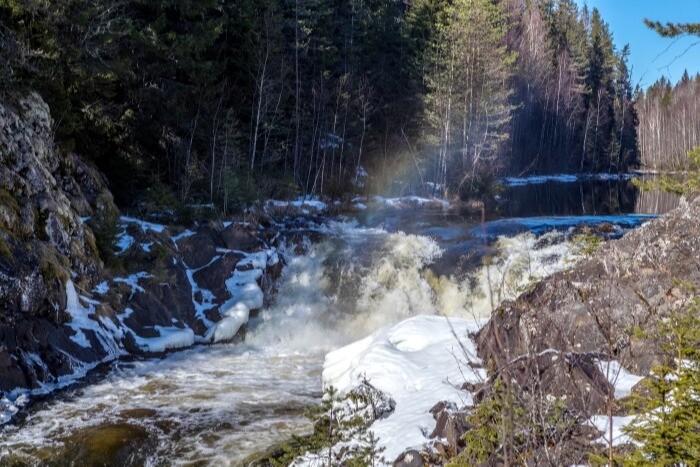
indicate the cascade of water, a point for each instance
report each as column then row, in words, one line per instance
column 220, row 404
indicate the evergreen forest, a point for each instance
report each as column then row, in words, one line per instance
column 221, row 103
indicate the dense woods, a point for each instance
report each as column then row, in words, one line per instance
column 222, row 103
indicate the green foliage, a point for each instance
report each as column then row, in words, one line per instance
column 586, row 242
column 104, row 225
column 494, row 420
column 338, row 419
column 667, row 424
column 689, row 183
column 673, row 29
column 509, row 424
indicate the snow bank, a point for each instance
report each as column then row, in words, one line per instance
column 417, row 362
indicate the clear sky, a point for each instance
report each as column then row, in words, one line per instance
column 651, row 55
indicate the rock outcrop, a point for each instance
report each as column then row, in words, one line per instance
column 595, row 307
column 62, row 312
column 44, row 193
column 549, row 342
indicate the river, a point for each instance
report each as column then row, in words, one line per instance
column 225, row 404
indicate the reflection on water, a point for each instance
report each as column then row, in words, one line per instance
column 655, row 202
column 583, row 197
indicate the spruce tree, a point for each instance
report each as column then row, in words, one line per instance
column 667, row 427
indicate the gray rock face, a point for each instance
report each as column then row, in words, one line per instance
column 593, row 308
column 54, row 318
column 43, row 242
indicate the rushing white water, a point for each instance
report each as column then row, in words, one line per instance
column 220, row 404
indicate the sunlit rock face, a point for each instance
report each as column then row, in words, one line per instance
column 630, row 282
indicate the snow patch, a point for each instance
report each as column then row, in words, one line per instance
column 417, row 363
column 145, row 226
column 301, row 203
column 602, row 423
column 622, row 380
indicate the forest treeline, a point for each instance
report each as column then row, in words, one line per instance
column 669, row 123
column 224, row 102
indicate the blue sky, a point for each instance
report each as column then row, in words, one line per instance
column 649, row 56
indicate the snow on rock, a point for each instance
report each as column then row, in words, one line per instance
column 622, row 380
column 301, row 203
column 82, row 319
column 246, row 295
column 145, row 226
column 124, row 242
column 185, row 234
column 133, row 281
column 411, row 201
column 417, row 363
column 170, row 338
column 102, row 288
column 602, row 423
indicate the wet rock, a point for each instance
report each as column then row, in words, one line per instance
column 199, row 249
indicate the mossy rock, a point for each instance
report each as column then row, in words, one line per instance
column 52, row 271
column 5, row 250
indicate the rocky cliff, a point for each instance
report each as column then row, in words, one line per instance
column 61, row 311
column 595, row 307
